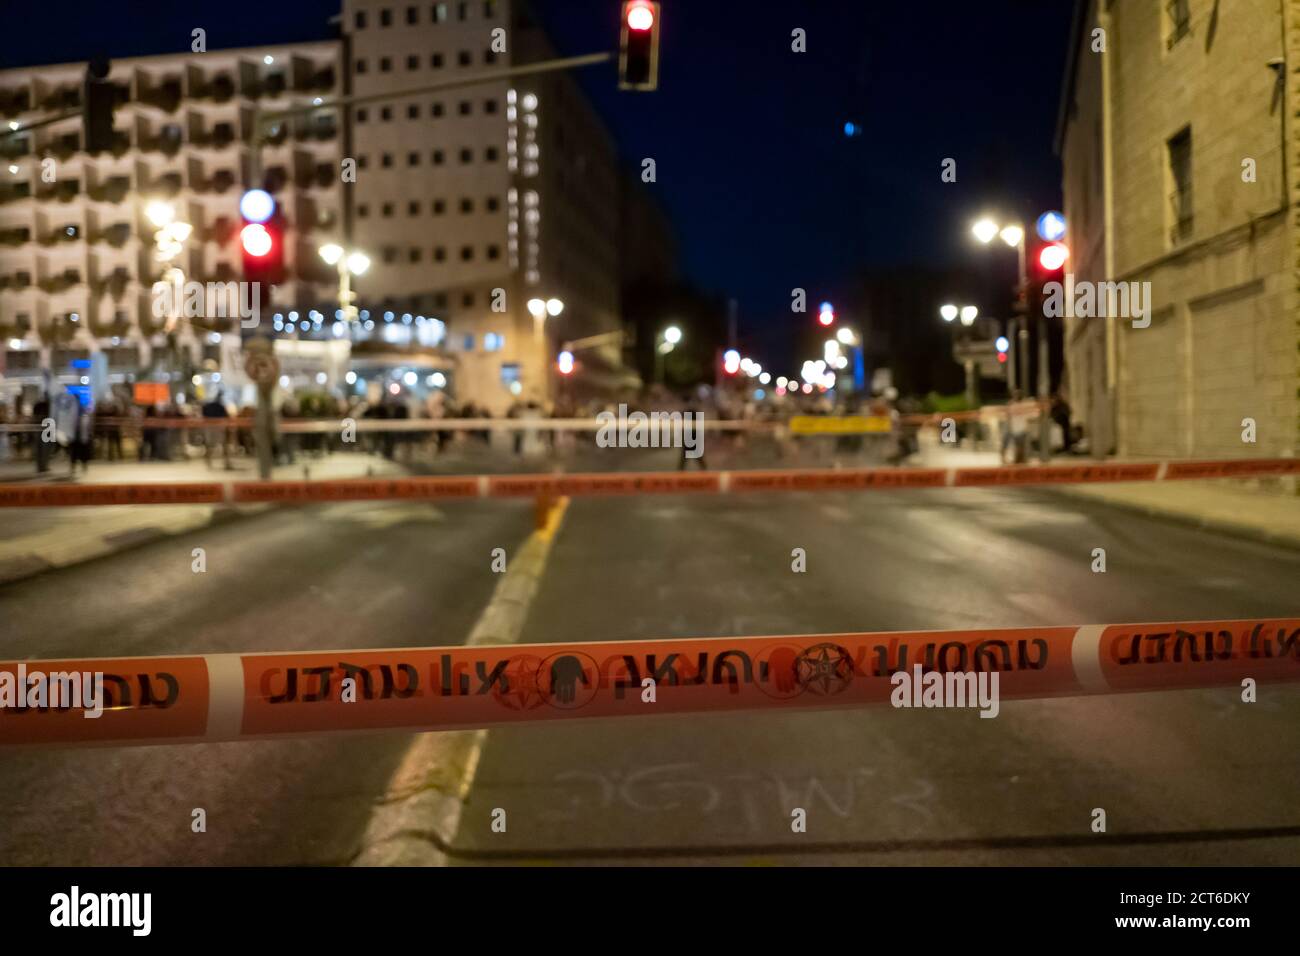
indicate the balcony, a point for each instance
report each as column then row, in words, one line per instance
column 12, row 192
column 14, row 102
column 64, row 98
column 12, row 147
column 166, row 96
column 64, row 190
column 18, row 236
column 115, row 235
column 167, row 141
column 112, row 190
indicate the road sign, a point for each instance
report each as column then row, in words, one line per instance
column 261, row 365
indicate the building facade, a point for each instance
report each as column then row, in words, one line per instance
column 471, row 202
column 1180, row 169
column 474, row 201
column 77, row 250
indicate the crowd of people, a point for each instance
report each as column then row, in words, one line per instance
column 60, row 427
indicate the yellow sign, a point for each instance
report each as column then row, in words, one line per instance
column 848, row 425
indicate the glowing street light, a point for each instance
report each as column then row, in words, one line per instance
column 984, row 230
column 537, row 308
column 949, row 312
column 968, row 314
column 554, row 307
column 348, row 265
column 672, row 335
column 1012, row 235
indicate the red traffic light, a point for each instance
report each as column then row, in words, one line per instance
column 1002, row 357
column 1053, row 256
column 640, row 16
column 256, row 239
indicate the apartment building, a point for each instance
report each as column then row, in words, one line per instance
column 1179, row 150
column 77, row 250
column 475, row 201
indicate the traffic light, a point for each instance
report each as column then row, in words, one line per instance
column 1003, row 345
column 1052, row 256
column 564, row 363
column 97, row 101
column 826, row 315
column 638, row 62
column 262, row 239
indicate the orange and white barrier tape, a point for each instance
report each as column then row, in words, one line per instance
column 632, row 483
column 256, row 696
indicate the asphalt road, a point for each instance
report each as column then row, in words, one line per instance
column 1185, row 777
column 1188, row 777
column 386, row 574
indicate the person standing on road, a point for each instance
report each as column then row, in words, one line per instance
column 214, row 408
column 41, row 412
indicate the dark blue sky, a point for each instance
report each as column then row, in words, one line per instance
column 764, row 189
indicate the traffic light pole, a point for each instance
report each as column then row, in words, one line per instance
column 477, row 79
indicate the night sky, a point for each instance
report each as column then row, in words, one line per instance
column 765, row 190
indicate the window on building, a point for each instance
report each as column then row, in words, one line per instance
column 465, row 58
column 509, row 373
column 440, row 300
column 439, row 254
column 1180, row 177
column 414, row 254
column 467, row 300
column 435, row 61
column 489, row 56
column 438, row 157
column 387, row 210
column 363, row 211
column 361, row 66
column 412, row 16
column 390, row 254
column 386, row 113
column 386, row 161
column 436, row 109
column 413, row 62
column 362, row 160
column 439, row 13
column 466, row 206
column 468, row 343
column 466, row 107
column 462, row 11
column 493, row 203
column 385, row 64
column 490, row 154
column 413, row 207
column 494, row 252
column 360, row 20
column 489, row 9
column 363, row 115
column 385, row 18
column 1178, row 21
column 489, row 106
column 413, row 159
column 413, row 111
column 466, row 253
column 492, row 342
column 439, row 207
column 466, row 156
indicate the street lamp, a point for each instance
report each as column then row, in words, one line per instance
column 668, row 340
column 348, row 264
column 948, row 312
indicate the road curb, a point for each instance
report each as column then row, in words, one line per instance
column 415, row 822
column 1173, row 516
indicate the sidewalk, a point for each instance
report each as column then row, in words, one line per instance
column 1228, row 505
column 33, row 540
